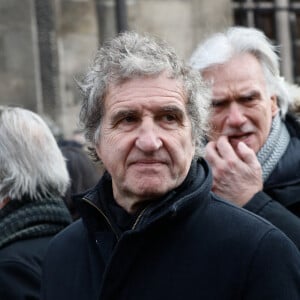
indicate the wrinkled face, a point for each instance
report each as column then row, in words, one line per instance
column 145, row 141
column 242, row 106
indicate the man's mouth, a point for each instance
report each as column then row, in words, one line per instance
column 147, row 161
column 235, row 139
column 240, row 137
column 145, row 164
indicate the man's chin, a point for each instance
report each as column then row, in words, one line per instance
column 150, row 187
column 150, row 190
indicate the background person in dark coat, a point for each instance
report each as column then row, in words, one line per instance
column 84, row 174
column 252, row 104
column 33, row 179
column 151, row 228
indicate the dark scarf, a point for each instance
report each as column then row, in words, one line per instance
column 27, row 219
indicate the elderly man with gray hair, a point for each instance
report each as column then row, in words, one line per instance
column 254, row 140
column 151, row 228
column 33, row 180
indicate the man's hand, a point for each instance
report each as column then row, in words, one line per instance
column 237, row 173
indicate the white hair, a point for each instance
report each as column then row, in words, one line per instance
column 30, row 159
column 221, row 47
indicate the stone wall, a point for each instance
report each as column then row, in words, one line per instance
column 19, row 65
column 79, row 26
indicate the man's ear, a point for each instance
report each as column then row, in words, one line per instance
column 97, row 150
column 274, row 105
column 4, row 202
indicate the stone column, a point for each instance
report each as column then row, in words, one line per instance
column 19, row 64
column 48, row 57
column 284, row 38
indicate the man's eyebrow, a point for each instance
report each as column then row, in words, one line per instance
column 249, row 94
column 172, row 109
column 252, row 93
column 123, row 113
column 218, row 100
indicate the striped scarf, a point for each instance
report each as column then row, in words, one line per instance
column 274, row 147
column 27, row 219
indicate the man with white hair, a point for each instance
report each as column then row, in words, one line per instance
column 254, row 143
column 33, row 179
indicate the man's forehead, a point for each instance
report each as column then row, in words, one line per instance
column 145, row 89
column 245, row 62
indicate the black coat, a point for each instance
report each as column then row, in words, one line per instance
column 26, row 227
column 20, row 268
column 189, row 245
column 279, row 202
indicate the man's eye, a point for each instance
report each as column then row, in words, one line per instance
column 218, row 104
column 125, row 120
column 129, row 119
column 169, row 118
column 248, row 99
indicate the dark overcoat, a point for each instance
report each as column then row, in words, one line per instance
column 188, row 245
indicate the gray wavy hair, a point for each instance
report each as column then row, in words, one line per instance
column 129, row 56
column 221, row 47
column 31, row 162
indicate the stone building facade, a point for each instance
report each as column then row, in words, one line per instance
column 46, row 44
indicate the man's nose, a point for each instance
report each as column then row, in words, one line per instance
column 148, row 139
column 235, row 116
